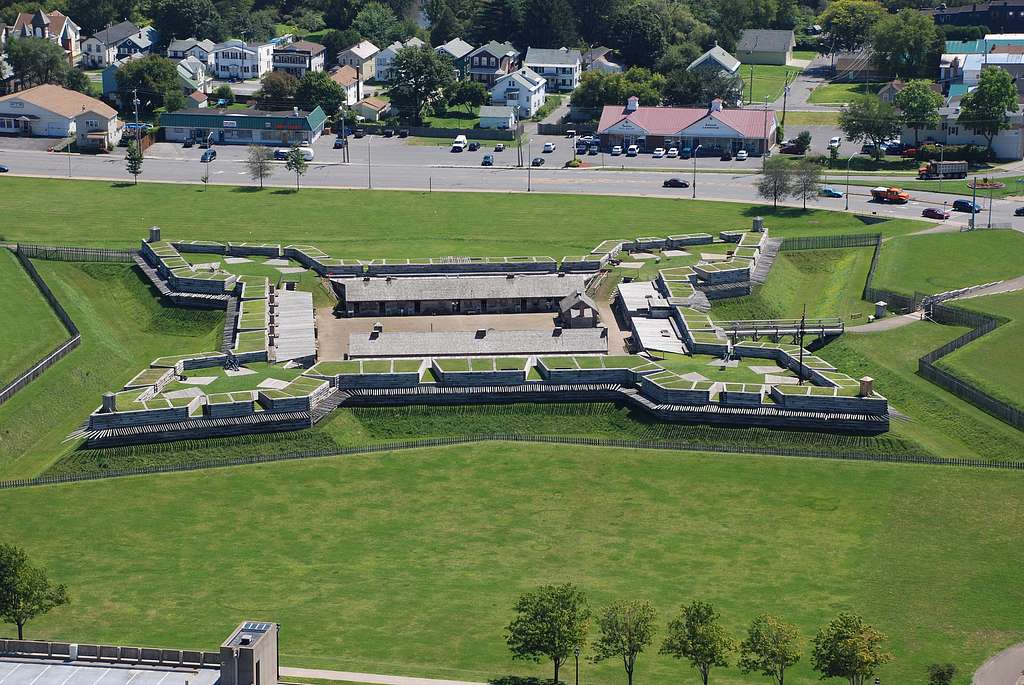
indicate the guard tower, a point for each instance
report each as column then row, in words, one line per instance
column 249, row 655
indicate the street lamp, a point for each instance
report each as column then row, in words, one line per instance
column 529, row 166
column 942, row 151
column 576, row 653
column 847, row 196
column 694, row 184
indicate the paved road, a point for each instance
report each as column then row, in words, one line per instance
column 1002, row 669
column 367, row 677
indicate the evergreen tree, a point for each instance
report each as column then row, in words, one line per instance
column 548, row 24
column 496, row 20
column 443, row 25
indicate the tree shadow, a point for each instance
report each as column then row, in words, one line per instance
column 246, row 189
column 519, row 680
column 780, row 212
column 122, row 184
column 284, row 191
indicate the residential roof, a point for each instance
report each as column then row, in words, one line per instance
column 576, row 298
column 727, row 61
column 302, row 46
column 456, row 47
column 67, row 103
column 553, row 56
column 670, row 120
column 596, row 53
column 183, row 44
column 243, row 118
column 497, row 49
column 524, row 76
column 197, row 96
column 495, row 111
column 55, row 20
column 345, row 75
column 765, row 40
column 492, row 342
column 897, row 85
column 112, row 35
column 398, row 289
column 363, row 49
column 373, row 103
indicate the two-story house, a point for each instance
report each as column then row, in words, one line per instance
column 361, row 58
column 490, row 62
column 458, row 51
column 561, row 68
column 53, row 26
column 202, row 50
column 235, row 59
column 523, row 90
column 384, row 58
column 117, row 42
column 299, row 57
column 348, row 79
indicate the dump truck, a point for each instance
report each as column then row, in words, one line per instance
column 942, row 170
column 893, row 195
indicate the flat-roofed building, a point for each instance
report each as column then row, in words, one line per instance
column 249, row 655
column 483, row 342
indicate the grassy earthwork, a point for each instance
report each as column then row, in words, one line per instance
column 30, row 329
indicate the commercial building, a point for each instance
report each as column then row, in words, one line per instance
column 765, row 46
column 244, row 126
column 561, row 68
column 54, row 112
column 1008, row 144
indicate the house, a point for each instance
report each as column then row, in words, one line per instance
column 54, row 112
column 765, row 46
column 490, row 62
column 859, row 66
column 577, row 310
column 194, row 74
column 235, row 59
column 1003, row 16
column 192, row 47
column 458, row 50
column 371, row 108
column 244, row 126
column 299, row 57
column 384, row 58
column 561, row 68
column 348, row 78
column 198, row 99
column 497, row 116
column 117, row 42
column 715, row 61
column 1008, row 144
column 523, row 90
column 890, row 90
column 360, row 57
column 601, row 59
column 111, row 90
column 714, row 129
column 53, row 26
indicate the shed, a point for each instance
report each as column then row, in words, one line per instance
column 497, row 116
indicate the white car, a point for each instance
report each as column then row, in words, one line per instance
column 616, row 150
column 834, row 141
column 672, row 152
column 549, row 147
column 632, row 150
column 658, row 153
column 741, row 156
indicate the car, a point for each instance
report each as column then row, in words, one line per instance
column 339, row 143
column 473, row 146
column 632, row 150
column 616, row 150
column 658, row 153
column 537, row 161
column 741, row 156
column 829, row 191
column 403, row 133
column 793, row 149
column 499, row 147
column 894, row 148
column 570, row 133
column 909, row 153
column 589, row 140
column 3, row 169
column 726, row 156
column 835, row 141
column 209, row 156
column 673, row 152
column 686, row 152
column 359, row 133
column 141, row 126
column 281, row 153
column 594, row 149
column 549, row 147
column 488, row 160
column 963, row 205
column 936, row 213
column 675, row 183
column 1019, row 211
column 189, row 142
column 581, row 148
column 867, row 149
column 389, row 133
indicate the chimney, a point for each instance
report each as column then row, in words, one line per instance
column 632, row 103
column 295, row 111
column 154, row 234
column 867, row 386
column 109, row 403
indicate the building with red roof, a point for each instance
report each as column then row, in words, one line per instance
column 715, row 129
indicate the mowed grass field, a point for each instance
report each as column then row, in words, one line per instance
column 408, row 563
column 962, row 189
column 837, row 93
column 369, row 224
column 937, row 262
column 994, row 362
column 29, row 328
column 768, row 81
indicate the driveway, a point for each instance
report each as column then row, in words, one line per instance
column 816, row 73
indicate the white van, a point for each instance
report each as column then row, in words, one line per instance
column 282, row 153
column 460, row 143
column 307, row 153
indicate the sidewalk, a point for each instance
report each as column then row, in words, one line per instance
column 367, row 677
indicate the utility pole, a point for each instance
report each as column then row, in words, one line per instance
column 135, row 101
column 974, row 200
column 694, row 184
column 990, row 207
column 764, row 151
column 785, row 96
column 529, row 168
column 750, row 90
column 369, row 165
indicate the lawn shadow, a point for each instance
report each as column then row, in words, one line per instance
column 246, row 189
column 284, row 191
column 122, row 184
column 520, row 680
column 780, row 212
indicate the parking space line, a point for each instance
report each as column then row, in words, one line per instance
column 72, row 675
column 102, row 676
column 135, row 675
column 41, row 674
column 10, row 672
column 164, row 678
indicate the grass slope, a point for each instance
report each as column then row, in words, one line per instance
column 30, row 329
column 351, row 223
column 123, row 329
column 937, row 262
column 994, row 362
column 409, row 563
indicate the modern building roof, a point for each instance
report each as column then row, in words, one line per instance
column 485, row 342
column 295, row 329
column 398, row 289
column 563, row 57
column 497, row 49
column 46, row 672
column 363, row 49
column 719, row 55
column 496, row 111
column 307, row 46
column 765, row 40
column 670, row 120
column 456, row 47
column 345, row 75
column 198, row 117
column 112, row 35
column 67, row 103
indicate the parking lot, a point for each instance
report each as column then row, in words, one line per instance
column 50, row 673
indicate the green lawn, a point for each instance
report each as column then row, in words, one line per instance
column 937, row 262
column 960, row 188
column 834, row 93
column 417, row 224
column 456, row 117
column 30, row 329
column 810, row 119
column 768, row 81
column 805, row 54
column 994, row 362
column 712, row 369
column 417, row 574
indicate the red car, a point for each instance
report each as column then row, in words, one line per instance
column 936, row 213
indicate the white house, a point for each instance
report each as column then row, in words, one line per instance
column 497, row 116
column 192, row 47
column 117, row 42
column 236, row 59
column 54, row 112
column 523, row 90
column 299, row 57
column 384, row 58
column 348, row 78
column 1007, row 144
column 360, row 57
column 561, row 68
column 194, row 75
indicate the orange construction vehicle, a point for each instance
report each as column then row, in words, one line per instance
column 893, row 195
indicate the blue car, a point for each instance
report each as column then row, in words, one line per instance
column 829, row 191
column 966, row 206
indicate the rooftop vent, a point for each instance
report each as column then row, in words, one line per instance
column 557, row 332
column 245, row 639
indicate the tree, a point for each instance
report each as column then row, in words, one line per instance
column 807, row 178
column 636, row 31
column 255, row 27
column 687, row 88
column 941, row 674
column 133, row 160
column 258, row 163
column 548, row 23
column 296, row 161
column 771, row 646
column 984, row 108
column 95, row 15
column 76, row 79
column 848, row 22
column 318, row 89
column 907, row 44
column 443, row 24
column 550, row 622
column 470, row 94
column 848, row 648
column 697, row 635
column 627, row 628
column 279, row 85
column 187, row 18
column 919, row 104
column 335, row 41
column 376, row 23
column 803, row 140
column 495, row 20
column 36, row 61
column 223, row 92
column 154, row 76
column 597, row 89
column 776, row 180
column 421, row 76
column 25, row 590
column 869, row 118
